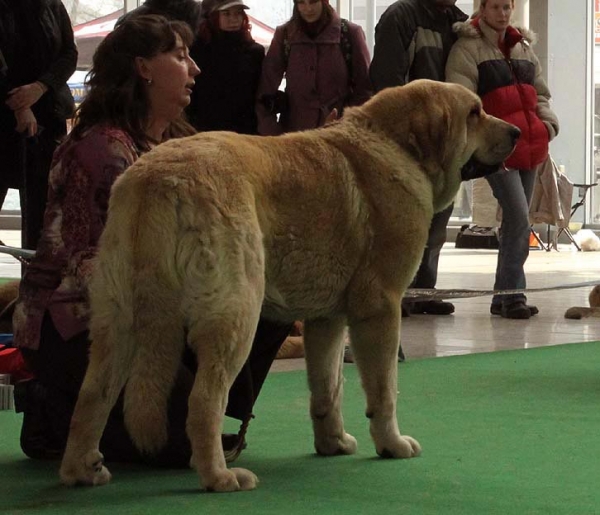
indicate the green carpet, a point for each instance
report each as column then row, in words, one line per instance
column 505, row 433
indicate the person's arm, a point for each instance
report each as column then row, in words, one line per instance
column 79, row 185
column 394, row 49
column 96, row 166
column 58, row 71
column 65, row 63
column 258, row 58
column 461, row 67
column 273, row 68
column 26, row 122
column 362, row 88
column 544, row 111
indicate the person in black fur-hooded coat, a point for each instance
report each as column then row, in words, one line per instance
column 231, row 63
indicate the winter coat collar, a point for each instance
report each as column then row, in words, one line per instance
column 477, row 28
column 331, row 33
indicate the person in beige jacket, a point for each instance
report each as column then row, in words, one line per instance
column 496, row 61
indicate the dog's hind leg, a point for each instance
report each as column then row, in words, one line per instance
column 82, row 461
column 323, row 342
column 375, row 342
column 222, row 345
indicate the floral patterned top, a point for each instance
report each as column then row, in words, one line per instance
column 56, row 280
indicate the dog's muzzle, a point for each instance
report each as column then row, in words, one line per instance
column 474, row 169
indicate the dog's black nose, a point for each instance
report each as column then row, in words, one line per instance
column 515, row 133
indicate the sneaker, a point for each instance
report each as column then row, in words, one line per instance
column 496, row 309
column 432, row 307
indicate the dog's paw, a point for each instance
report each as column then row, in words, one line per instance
column 334, row 445
column 89, row 471
column 232, row 480
column 404, row 447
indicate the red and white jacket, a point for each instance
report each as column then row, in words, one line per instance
column 507, row 77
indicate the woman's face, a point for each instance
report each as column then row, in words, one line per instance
column 231, row 20
column 310, row 10
column 172, row 78
column 497, row 13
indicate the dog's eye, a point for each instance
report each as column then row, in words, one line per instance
column 475, row 111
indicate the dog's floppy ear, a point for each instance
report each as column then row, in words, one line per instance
column 428, row 133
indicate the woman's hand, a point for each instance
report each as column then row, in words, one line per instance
column 25, row 96
column 26, row 122
column 331, row 117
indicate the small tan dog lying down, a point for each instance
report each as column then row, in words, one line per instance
column 579, row 312
column 201, row 236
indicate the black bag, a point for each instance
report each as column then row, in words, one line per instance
column 475, row 237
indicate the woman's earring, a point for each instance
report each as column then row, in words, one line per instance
column 148, row 81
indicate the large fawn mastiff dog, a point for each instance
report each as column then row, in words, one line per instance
column 326, row 226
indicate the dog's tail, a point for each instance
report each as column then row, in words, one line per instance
column 136, row 302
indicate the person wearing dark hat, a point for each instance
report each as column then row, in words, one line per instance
column 231, row 62
column 187, row 11
column 223, row 100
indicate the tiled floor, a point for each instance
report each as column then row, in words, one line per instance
column 471, row 328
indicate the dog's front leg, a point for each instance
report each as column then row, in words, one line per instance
column 323, row 342
column 375, row 342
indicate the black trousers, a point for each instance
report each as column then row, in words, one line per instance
column 27, row 170
column 49, row 400
column 426, row 276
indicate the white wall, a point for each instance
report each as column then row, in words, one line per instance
column 565, row 60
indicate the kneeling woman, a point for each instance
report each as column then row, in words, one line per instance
column 140, row 83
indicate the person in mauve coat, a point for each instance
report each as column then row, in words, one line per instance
column 322, row 74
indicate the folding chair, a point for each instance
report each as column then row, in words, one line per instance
column 583, row 191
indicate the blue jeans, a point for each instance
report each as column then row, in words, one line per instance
column 513, row 190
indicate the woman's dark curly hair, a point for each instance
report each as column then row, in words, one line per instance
column 116, row 94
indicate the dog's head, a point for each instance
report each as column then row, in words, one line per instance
column 443, row 126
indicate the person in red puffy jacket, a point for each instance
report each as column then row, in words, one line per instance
column 496, row 61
